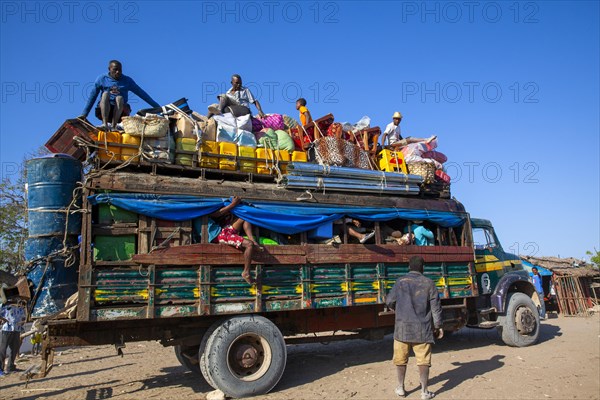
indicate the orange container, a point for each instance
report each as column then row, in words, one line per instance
column 106, row 152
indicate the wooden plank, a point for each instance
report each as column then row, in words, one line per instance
column 220, row 254
column 215, row 254
column 143, row 238
column 84, row 300
column 320, row 254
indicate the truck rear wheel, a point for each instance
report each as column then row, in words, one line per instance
column 520, row 326
column 245, row 356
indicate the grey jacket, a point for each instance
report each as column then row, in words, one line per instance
column 416, row 302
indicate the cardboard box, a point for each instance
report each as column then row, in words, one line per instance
column 187, row 128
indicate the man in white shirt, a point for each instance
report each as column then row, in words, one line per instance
column 395, row 139
column 237, row 100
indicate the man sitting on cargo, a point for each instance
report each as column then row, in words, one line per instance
column 237, row 100
column 115, row 88
column 392, row 134
column 229, row 233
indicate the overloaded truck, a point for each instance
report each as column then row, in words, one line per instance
column 147, row 270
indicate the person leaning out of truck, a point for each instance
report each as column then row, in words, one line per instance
column 421, row 235
column 115, row 88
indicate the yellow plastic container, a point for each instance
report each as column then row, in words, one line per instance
column 284, row 158
column 227, row 149
column 392, row 161
column 265, row 160
column 208, row 146
column 127, row 152
column 247, row 165
column 106, row 152
column 299, row 156
column 184, row 144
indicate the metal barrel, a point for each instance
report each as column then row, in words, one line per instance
column 39, row 247
column 50, row 185
column 56, row 281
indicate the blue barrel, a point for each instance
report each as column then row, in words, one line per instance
column 50, row 184
column 58, row 284
column 38, row 247
column 60, row 281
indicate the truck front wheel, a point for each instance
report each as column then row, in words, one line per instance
column 520, row 326
column 245, row 356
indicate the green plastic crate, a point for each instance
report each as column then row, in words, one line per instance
column 114, row 248
column 109, row 214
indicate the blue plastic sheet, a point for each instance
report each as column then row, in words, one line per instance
column 541, row 270
column 279, row 217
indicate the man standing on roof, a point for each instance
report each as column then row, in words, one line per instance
column 536, row 278
column 115, row 88
column 416, row 302
column 237, row 100
column 392, row 134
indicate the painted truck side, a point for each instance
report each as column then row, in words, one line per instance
column 191, row 296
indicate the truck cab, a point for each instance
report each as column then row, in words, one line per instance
column 507, row 299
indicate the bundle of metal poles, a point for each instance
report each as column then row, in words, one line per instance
column 315, row 176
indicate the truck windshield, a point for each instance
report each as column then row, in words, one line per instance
column 483, row 238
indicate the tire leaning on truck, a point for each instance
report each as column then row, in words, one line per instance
column 520, row 326
column 244, row 356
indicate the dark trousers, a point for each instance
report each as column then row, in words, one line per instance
column 12, row 341
column 226, row 104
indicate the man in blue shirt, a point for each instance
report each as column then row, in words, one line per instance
column 537, row 283
column 115, row 88
column 12, row 318
column 422, row 235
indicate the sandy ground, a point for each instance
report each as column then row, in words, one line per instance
column 470, row 364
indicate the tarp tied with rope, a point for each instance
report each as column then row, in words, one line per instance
column 279, row 217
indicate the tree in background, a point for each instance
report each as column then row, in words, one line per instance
column 594, row 257
column 13, row 223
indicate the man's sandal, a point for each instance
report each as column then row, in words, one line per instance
column 427, row 395
column 400, row 391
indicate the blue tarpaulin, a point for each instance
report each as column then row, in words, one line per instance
column 279, row 217
column 541, row 270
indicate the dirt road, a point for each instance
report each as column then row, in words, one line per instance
column 471, row 364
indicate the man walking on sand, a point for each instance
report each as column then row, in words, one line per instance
column 417, row 305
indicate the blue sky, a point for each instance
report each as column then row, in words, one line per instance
column 510, row 88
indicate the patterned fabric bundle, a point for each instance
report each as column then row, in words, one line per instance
column 273, row 121
column 257, row 125
column 339, row 152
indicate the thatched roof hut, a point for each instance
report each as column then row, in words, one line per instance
column 565, row 266
column 575, row 282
